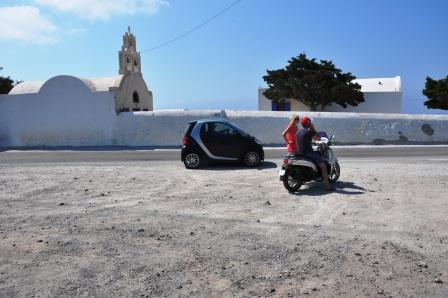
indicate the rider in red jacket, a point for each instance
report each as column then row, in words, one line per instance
column 289, row 134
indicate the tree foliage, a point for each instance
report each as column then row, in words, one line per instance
column 312, row 83
column 437, row 93
column 6, row 84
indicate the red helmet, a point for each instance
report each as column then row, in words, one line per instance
column 306, row 121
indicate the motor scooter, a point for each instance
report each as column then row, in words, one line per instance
column 298, row 169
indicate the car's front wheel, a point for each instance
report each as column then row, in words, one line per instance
column 193, row 160
column 252, row 159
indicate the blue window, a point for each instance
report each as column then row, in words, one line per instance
column 281, row 106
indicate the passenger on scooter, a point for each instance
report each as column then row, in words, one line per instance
column 304, row 137
column 289, row 134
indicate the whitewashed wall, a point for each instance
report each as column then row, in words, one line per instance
column 351, row 128
column 165, row 128
column 71, row 121
column 65, row 112
column 157, row 128
column 375, row 102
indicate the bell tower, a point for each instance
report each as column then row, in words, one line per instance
column 129, row 58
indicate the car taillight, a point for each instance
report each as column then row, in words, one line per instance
column 285, row 161
column 185, row 140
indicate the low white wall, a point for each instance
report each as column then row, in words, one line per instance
column 77, row 125
column 350, row 128
column 165, row 128
column 157, row 128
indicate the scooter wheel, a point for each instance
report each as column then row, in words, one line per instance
column 290, row 183
column 335, row 173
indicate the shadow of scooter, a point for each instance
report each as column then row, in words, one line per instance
column 237, row 166
column 341, row 187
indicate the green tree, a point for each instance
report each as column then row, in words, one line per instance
column 437, row 93
column 312, row 83
column 6, row 84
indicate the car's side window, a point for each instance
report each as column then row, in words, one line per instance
column 218, row 129
column 208, row 128
column 225, row 130
column 204, row 128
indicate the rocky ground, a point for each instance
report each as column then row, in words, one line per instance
column 139, row 229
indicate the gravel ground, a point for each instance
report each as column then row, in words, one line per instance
column 138, row 229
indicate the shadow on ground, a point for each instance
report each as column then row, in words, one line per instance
column 341, row 187
column 235, row 166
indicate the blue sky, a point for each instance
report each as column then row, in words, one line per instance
column 221, row 64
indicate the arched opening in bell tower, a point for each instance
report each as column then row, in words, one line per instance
column 135, row 97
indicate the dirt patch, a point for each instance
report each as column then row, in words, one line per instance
column 131, row 229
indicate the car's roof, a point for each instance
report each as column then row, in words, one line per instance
column 212, row 120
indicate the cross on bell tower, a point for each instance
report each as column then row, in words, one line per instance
column 129, row 58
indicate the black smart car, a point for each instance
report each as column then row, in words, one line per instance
column 219, row 140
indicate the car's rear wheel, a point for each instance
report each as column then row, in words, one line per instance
column 193, row 160
column 252, row 159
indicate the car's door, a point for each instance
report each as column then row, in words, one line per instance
column 221, row 139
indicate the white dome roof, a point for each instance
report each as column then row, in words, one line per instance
column 104, row 83
column 27, row 87
column 94, row 84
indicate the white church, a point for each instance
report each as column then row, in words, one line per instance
column 68, row 110
column 128, row 88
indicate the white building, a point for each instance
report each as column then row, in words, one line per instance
column 381, row 95
column 128, row 88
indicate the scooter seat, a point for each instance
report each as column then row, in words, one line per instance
column 303, row 157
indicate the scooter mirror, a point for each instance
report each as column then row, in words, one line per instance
column 332, row 137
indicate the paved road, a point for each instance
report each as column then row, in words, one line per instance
column 419, row 152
